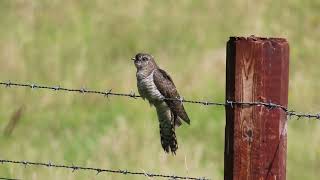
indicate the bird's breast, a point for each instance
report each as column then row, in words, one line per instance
column 148, row 89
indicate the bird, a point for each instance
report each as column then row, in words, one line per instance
column 156, row 85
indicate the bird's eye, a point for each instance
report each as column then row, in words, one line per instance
column 144, row 59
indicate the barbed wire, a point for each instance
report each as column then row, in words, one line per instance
column 74, row 168
column 107, row 93
column 7, row 178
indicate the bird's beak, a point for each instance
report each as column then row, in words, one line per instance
column 133, row 59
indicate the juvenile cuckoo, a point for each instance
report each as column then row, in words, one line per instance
column 155, row 85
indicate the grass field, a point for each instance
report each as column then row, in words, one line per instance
column 90, row 43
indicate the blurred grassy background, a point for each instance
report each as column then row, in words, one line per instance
column 89, row 44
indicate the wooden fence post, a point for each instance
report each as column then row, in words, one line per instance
column 256, row 136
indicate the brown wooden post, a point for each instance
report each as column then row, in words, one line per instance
column 256, row 136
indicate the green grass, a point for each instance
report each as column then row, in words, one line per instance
column 90, row 43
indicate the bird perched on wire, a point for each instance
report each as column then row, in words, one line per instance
column 155, row 85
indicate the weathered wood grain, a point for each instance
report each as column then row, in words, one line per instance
column 255, row 136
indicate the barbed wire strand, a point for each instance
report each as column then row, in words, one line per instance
column 109, row 92
column 97, row 170
column 3, row 178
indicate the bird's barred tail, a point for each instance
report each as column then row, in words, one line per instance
column 168, row 137
column 167, row 128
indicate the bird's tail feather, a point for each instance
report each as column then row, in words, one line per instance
column 168, row 137
column 167, row 130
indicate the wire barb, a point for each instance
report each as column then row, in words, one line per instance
column 8, row 84
column 181, row 99
column 83, row 90
column 230, row 102
column 107, row 93
column 270, row 105
column 97, row 170
column 32, row 86
column 56, row 88
column 133, row 95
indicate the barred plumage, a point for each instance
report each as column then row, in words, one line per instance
column 167, row 128
column 155, row 85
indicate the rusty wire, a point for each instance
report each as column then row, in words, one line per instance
column 107, row 93
column 75, row 168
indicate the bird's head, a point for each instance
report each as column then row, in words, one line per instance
column 144, row 61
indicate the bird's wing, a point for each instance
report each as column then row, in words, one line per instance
column 166, row 87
